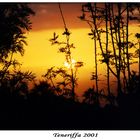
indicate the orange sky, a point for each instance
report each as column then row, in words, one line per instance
column 48, row 16
column 40, row 55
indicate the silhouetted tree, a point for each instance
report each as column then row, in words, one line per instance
column 66, row 48
column 92, row 24
column 90, row 96
column 15, row 21
column 42, row 88
column 138, row 50
column 107, row 45
column 59, row 86
column 116, row 18
column 16, row 82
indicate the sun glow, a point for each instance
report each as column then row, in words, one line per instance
column 70, row 64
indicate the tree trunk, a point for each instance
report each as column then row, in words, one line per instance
column 108, row 75
column 95, row 49
column 127, row 47
column 119, row 46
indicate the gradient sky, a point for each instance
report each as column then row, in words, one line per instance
column 40, row 55
column 48, row 16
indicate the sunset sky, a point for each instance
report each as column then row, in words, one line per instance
column 40, row 55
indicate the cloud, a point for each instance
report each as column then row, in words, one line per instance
column 48, row 15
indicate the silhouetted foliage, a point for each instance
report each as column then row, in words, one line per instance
column 69, row 75
column 116, row 46
column 15, row 21
column 137, row 52
column 91, row 97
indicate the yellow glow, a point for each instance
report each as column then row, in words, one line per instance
column 69, row 64
column 66, row 64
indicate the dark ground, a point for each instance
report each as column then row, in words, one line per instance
column 58, row 113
